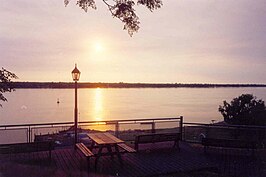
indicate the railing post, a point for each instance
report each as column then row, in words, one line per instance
column 31, row 134
column 27, row 135
column 116, row 129
column 29, row 131
column 153, row 127
column 208, row 130
column 181, row 127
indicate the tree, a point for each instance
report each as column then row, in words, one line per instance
column 124, row 10
column 244, row 110
column 5, row 80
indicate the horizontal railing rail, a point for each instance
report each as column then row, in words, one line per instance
column 226, row 125
column 88, row 122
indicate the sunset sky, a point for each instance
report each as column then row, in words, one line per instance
column 186, row 41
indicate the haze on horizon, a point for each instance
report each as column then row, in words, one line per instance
column 188, row 41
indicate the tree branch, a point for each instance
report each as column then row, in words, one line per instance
column 5, row 79
column 123, row 10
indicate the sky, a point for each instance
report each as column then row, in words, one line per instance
column 186, row 41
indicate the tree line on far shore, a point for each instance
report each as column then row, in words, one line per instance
column 122, row 85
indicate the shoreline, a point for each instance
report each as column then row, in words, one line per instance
column 66, row 85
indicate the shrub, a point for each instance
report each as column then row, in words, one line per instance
column 244, row 110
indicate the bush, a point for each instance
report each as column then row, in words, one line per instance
column 244, row 110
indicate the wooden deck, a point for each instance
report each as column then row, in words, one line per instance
column 161, row 160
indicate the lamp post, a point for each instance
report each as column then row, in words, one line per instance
column 75, row 76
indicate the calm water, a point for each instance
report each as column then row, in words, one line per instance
column 195, row 104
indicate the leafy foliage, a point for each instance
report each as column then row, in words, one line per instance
column 5, row 80
column 244, row 110
column 124, row 10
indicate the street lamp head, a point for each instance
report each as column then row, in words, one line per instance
column 75, row 73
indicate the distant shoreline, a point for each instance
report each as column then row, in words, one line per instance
column 65, row 85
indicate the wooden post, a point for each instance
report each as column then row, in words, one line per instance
column 29, row 138
column 153, row 127
column 181, row 127
column 116, row 129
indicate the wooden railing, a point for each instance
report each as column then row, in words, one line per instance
column 193, row 132
column 57, row 126
column 190, row 131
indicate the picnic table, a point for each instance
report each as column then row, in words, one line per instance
column 111, row 143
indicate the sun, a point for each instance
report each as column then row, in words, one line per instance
column 98, row 47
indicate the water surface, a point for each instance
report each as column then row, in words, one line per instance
column 195, row 104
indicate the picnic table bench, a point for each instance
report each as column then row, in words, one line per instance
column 86, row 152
column 229, row 143
column 27, row 147
column 126, row 148
column 157, row 137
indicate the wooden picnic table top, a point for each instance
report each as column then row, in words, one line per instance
column 104, row 138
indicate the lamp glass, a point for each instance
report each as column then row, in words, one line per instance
column 75, row 73
column 75, row 76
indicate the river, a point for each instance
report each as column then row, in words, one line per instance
column 194, row 104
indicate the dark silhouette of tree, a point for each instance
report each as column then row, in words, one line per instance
column 124, row 10
column 5, row 80
column 244, row 110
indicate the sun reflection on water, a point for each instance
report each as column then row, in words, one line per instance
column 98, row 105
